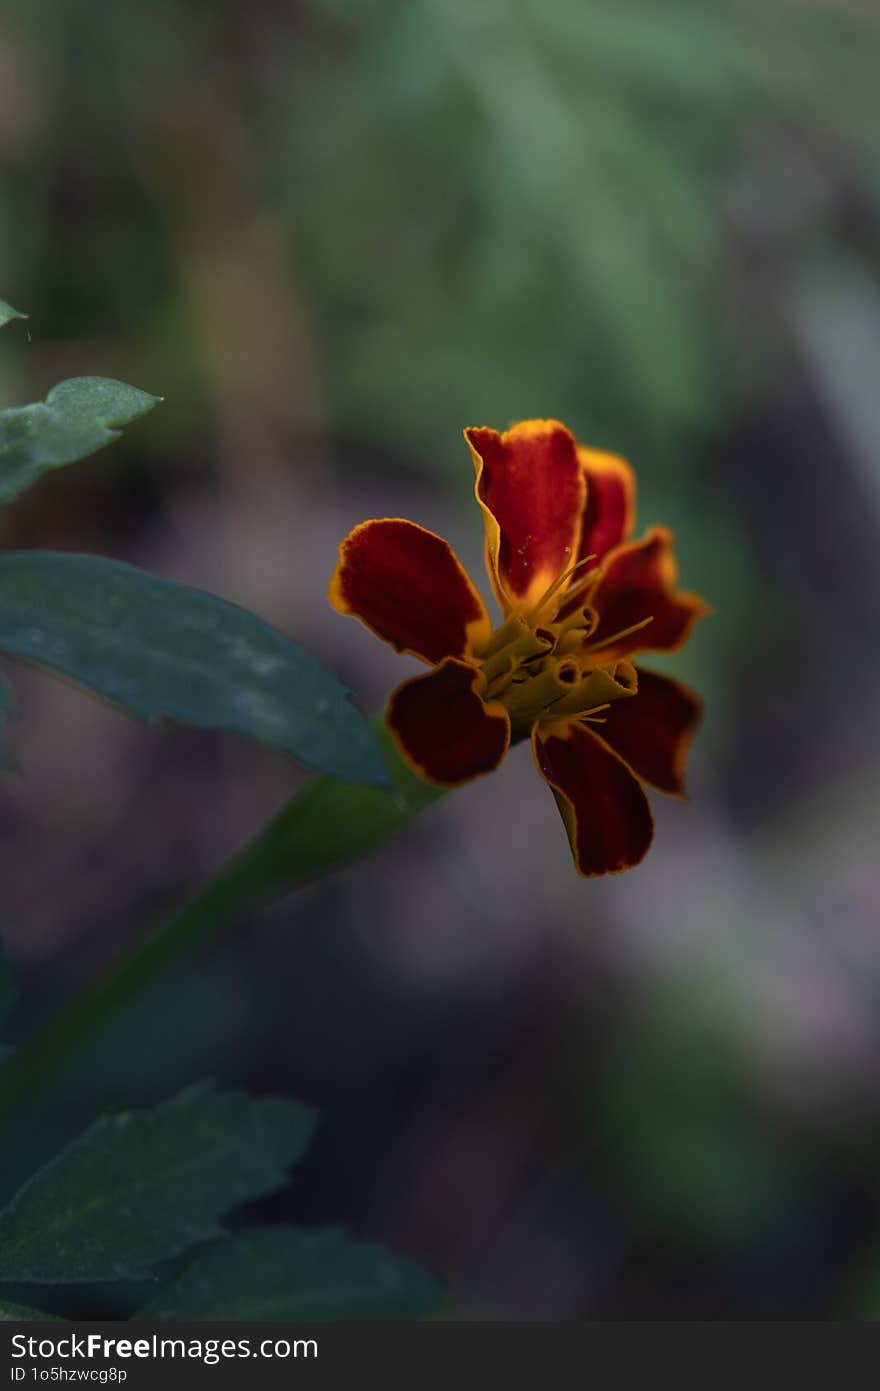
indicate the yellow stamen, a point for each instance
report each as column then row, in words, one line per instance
column 616, row 637
column 586, row 583
column 562, row 578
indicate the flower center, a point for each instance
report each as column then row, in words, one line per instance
column 541, row 666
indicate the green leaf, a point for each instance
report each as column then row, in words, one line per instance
column 7, row 313
column 76, row 418
column 141, row 1186
column 282, row 1273
column 18, row 1313
column 160, row 648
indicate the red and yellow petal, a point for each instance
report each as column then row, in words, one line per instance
column 637, row 582
column 407, row 585
column 531, row 489
column 443, row 729
column 605, row 811
column 653, row 730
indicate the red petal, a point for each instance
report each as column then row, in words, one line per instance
column 605, row 811
column 653, row 730
column 609, row 512
column 531, row 489
column 637, row 583
column 609, row 515
column 407, row 585
column 443, row 729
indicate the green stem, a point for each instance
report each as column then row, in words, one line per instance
column 327, row 825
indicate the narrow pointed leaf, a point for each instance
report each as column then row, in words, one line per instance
column 160, row 648
column 283, row 1273
column 77, row 417
column 141, row 1186
column 7, row 313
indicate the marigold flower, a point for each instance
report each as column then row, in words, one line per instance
column 579, row 599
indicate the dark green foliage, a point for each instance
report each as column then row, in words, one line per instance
column 7, row 313
column 284, row 1273
column 77, row 418
column 141, row 1186
column 163, row 649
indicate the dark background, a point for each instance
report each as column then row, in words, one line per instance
column 331, row 233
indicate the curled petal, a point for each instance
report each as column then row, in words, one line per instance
column 444, row 730
column 408, row 586
column 653, row 732
column 637, row 582
column 531, row 489
column 605, row 811
column 601, row 686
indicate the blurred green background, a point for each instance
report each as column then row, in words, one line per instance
column 331, row 233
